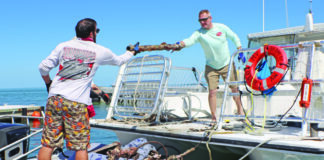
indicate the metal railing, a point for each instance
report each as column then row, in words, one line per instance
column 305, row 119
column 34, row 133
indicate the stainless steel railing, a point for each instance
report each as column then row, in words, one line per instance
column 305, row 119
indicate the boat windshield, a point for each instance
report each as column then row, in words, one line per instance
column 276, row 40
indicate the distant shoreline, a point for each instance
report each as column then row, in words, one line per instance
column 24, row 88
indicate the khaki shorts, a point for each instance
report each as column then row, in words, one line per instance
column 212, row 76
column 68, row 119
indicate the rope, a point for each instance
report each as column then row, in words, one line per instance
column 266, row 141
column 265, row 111
column 277, row 122
column 249, row 124
column 211, row 133
column 256, row 147
column 138, row 82
column 209, row 138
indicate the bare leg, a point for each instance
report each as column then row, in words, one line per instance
column 45, row 153
column 81, row 155
column 212, row 103
column 237, row 101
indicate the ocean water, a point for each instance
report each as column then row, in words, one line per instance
column 38, row 96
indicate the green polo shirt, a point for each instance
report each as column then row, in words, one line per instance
column 214, row 43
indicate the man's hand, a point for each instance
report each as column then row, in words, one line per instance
column 178, row 46
column 48, row 85
column 134, row 48
column 47, row 81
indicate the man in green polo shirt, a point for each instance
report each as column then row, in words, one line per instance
column 213, row 39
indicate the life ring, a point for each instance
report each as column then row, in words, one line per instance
column 277, row 74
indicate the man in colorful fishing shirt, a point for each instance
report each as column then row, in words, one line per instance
column 66, row 113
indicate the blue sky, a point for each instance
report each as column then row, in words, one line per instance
column 31, row 29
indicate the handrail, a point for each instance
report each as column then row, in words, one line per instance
column 20, row 140
column 29, row 152
column 18, row 116
column 34, row 132
column 227, row 81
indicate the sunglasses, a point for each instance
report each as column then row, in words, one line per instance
column 203, row 19
column 97, row 30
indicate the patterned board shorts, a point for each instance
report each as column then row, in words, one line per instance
column 68, row 119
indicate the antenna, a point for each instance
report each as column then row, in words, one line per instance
column 309, row 19
column 263, row 17
column 310, row 6
column 287, row 22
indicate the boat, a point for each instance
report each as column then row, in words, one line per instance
column 165, row 103
column 162, row 103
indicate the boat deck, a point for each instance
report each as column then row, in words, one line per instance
column 286, row 139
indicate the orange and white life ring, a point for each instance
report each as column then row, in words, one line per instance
column 277, row 74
